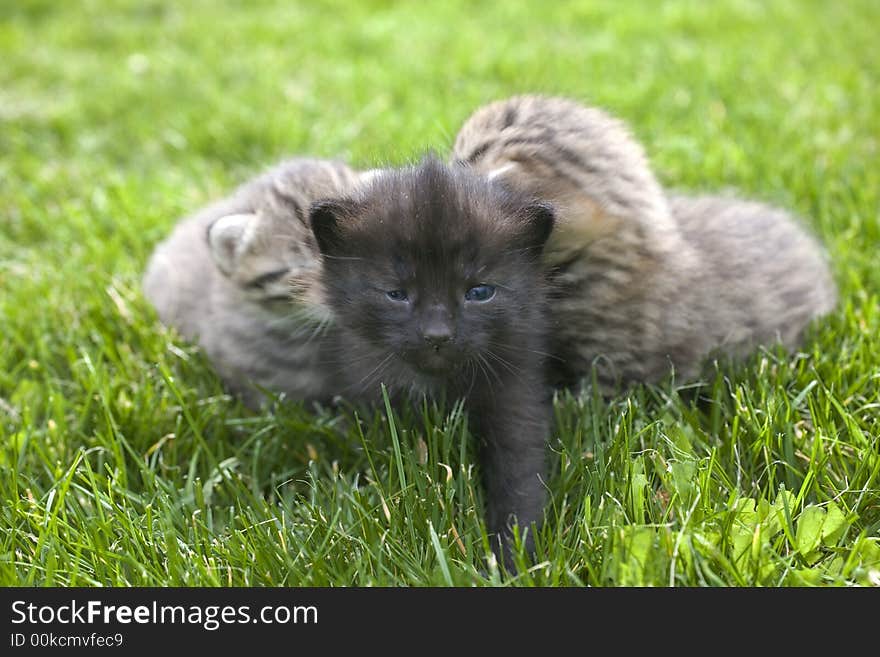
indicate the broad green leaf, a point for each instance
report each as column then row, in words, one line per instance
column 640, row 545
column 745, row 511
column 835, row 524
column 809, row 530
column 784, row 498
column 742, row 541
column 768, row 518
column 683, row 476
column 683, row 436
column 804, row 577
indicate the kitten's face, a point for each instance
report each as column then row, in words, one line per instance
column 269, row 252
column 265, row 256
column 435, row 316
column 432, row 274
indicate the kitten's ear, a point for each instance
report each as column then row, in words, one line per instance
column 538, row 221
column 228, row 237
column 503, row 171
column 327, row 219
column 366, row 177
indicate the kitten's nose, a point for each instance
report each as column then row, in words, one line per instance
column 437, row 334
column 437, row 327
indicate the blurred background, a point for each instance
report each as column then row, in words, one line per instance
column 173, row 102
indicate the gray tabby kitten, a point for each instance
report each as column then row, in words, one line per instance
column 241, row 277
column 645, row 280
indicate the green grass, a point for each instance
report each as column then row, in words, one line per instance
column 124, row 463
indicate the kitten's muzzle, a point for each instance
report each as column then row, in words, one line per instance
column 437, row 340
column 437, row 333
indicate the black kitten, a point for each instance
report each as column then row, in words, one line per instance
column 435, row 281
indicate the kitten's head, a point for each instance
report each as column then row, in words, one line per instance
column 268, row 251
column 261, row 255
column 432, row 270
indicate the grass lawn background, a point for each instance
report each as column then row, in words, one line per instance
column 122, row 461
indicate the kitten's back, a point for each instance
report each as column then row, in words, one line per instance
column 765, row 275
column 580, row 158
column 646, row 283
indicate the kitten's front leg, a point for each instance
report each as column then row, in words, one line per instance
column 514, row 426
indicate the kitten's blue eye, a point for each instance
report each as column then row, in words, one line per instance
column 480, row 293
column 397, row 295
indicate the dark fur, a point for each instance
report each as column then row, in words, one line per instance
column 437, row 232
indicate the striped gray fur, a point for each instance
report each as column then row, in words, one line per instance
column 241, row 277
column 645, row 281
